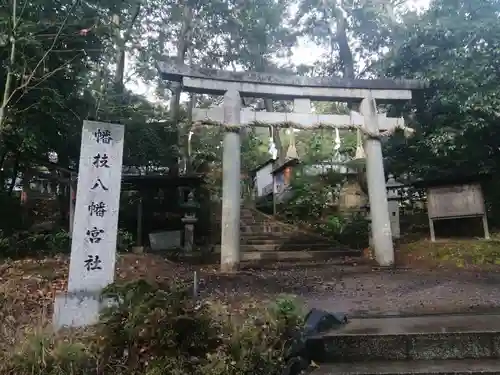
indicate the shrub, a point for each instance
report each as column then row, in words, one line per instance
column 4, row 243
column 12, row 217
column 257, row 345
column 160, row 329
column 310, row 196
column 58, row 242
column 350, row 230
column 48, row 354
column 125, row 240
column 27, row 243
column 155, row 326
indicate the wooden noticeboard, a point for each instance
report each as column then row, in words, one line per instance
column 455, row 202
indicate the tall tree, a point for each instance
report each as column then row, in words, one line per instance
column 353, row 32
column 33, row 54
column 46, row 51
column 454, row 45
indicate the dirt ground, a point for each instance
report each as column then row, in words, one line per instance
column 29, row 286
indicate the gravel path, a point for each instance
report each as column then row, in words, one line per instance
column 361, row 291
column 353, row 289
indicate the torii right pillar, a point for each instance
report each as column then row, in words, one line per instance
column 377, row 192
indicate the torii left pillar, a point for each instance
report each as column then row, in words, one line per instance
column 231, row 188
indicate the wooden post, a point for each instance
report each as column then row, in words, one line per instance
column 139, row 221
column 485, row 227
column 431, row 228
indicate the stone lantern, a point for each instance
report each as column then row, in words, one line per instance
column 189, row 220
column 394, row 197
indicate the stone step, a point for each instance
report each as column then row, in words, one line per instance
column 295, row 255
column 256, row 226
column 431, row 367
column 291, row 259
column 284, row 240
column 250, row 252
column 294, row 247
column 264, row 228
column 260, row 222
column 442, row 337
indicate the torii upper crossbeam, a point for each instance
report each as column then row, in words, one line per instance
column 286, row 87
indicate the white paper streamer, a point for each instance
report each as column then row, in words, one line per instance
column 337, row 139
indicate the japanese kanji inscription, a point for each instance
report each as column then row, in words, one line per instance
column 93, row 249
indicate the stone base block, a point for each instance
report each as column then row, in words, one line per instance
column 138, row 249
column 78, row 309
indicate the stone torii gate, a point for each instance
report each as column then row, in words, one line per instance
column 234, row 85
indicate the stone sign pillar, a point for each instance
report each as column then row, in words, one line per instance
column 95, row 228
column 231, row 188
column 379, row 209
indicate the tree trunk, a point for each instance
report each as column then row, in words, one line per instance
column 10, row 72
column 98, row 88
column 345, row 52
column 121, row 50
column 63, row 199
column 345, row 55
column 2, row 174
column 182, row 47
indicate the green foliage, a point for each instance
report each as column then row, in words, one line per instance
column 310, row 196
column 350, row 230
column 44, row 103
column 4, row 243
column 458, row 253
column 288, row 313
column 257, row 346
column 155, row 326
column 160, row 329
column 58, row 242
column 45, row 354
column 313, row 200
column 29, row 243
column 254, row 151
column 12, row 217
column 125, row 240
column 25, row 243
column 352, row 33
column 454, row 45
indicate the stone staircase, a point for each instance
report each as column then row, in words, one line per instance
column 445, row 344
column 265, row 238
